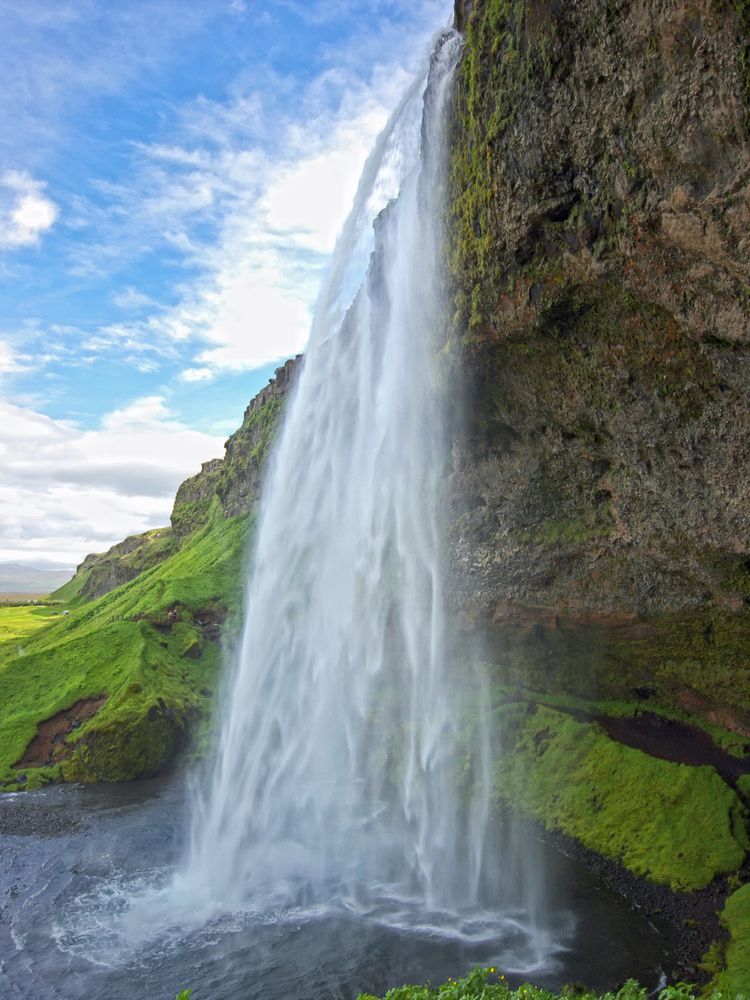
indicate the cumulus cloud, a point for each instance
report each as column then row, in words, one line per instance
column 25, row 210
column 66, row 491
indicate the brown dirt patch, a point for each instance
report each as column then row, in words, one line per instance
column 48, row 746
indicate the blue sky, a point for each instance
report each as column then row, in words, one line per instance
column 173, row 174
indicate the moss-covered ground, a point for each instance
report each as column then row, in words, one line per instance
column 676, row 825
column 736, row 959
column 144, row 646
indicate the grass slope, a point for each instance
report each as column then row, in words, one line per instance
column 674, row 824
column 143, row 646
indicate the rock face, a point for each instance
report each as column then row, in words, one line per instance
column 192, row 504
column 123, row 562
column 233, row 483
column 238, row 488
column 599, row 241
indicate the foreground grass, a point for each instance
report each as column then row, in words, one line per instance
column 143, row 647
column 488, row 984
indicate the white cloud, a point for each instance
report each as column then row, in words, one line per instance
column 25, row 211
column 10, row 361
column 66, row 492
column 131, row 298
column 197, row 375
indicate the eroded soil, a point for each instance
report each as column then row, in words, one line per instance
column 48, row 745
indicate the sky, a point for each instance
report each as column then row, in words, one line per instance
column 173, row 174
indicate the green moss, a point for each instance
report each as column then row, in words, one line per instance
column 192, row 515
column 155, row 667
column 736, row 918
column 560, row 532
column 490, row 80
column 732, row 743
column 248, row 449
column 673, row 824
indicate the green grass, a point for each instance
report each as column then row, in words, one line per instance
column 123, row 645
column 676, row 825
column 21, row 621
column 736, row 919
column 71, row 591
column 489, row 984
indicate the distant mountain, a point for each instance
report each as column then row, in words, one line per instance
column 15, row 578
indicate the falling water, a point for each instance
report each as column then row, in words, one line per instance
column 346, row 768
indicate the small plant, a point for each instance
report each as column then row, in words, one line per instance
column 184, row 994
column 682, row 991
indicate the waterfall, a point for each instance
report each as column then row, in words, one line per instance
column 336, row 765
column 353, row 759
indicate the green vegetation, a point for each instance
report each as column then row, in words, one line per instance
column 247, row 451
column 736, row 919
column 488, row 90
column 732, row 743
column 70, row 592
column 676, row 825
column 18, row 621
column 143, row 646
column 488, row 984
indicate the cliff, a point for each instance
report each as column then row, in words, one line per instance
column 600, row 253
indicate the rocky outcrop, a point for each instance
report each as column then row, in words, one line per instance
column 600, row 252
column 101, row 573
column 193, row 502
column 238, row 487
column 231, row 486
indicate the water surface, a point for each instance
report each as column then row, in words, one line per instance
column 65, row 899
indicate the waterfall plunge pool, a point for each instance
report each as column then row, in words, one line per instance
column 72, row 858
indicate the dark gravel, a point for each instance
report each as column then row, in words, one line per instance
column 34, row 820
column 691, row 915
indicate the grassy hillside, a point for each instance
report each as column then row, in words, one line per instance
column 150, row 647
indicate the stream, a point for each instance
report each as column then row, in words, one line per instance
column 73, row 857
